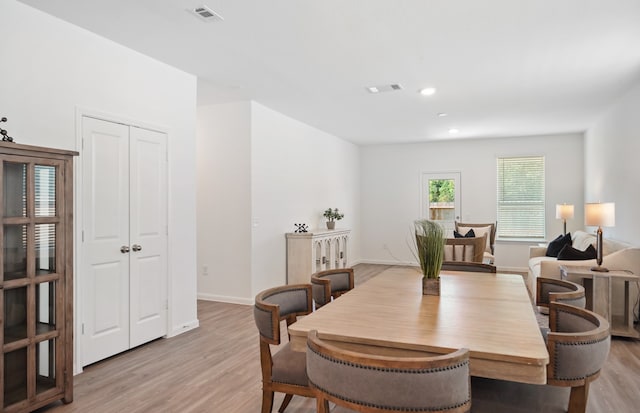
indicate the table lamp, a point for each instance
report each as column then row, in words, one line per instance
column 564, row 212
column 600, row 215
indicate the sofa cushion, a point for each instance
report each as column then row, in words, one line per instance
column 556, row 245
column 581, row 240
column 568, row 253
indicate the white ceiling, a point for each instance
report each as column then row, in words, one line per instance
column 501, row 67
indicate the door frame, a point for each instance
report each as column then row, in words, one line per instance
column 78, row 218
column 425, row 176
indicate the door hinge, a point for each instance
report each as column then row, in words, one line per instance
column 82, row 235
column 82, row 328
column 166, row 304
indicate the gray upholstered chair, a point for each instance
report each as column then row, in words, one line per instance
column 284, row 371
column 552, row 290
column 331, row 284
column 468, row 266
column 372, row 383
column 480, row 229
column 578, row 346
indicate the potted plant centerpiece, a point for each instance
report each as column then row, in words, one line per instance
column 332, row 216
column 429, row 237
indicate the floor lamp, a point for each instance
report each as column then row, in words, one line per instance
column 564, row 212
column 600, row 215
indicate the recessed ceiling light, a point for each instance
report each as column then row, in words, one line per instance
column 453, row 131
column 442, row 114
column 428, row 91
column 373, row 89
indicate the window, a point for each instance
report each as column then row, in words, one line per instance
column 521, row 197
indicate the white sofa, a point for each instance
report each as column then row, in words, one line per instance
column 617, row 255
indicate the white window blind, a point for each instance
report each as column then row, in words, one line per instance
column 521, row 197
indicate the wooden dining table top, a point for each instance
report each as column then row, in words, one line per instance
column 490, row 314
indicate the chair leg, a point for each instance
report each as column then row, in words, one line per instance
column 267, row 401
column 285, row 402
column 578, row 399
column 323, row 405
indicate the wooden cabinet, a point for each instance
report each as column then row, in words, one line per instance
column 310, row 252
column 36, row 277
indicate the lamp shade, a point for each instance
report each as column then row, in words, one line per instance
column 600, row 214
column 564, row 211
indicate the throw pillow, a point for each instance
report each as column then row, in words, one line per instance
column 569, row 253
column 469, row 234
column 557, row 244
column 480, row 231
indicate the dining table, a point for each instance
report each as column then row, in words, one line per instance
column 490, row 314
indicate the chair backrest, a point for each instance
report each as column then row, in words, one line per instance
column 491, row 232
column 468, row 266
column 372, row 383
column 280, row 303
column 331, row 283
column 553, row 290
column 465, row 249
column 578, row 345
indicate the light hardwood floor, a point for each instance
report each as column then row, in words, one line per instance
column 216, row 368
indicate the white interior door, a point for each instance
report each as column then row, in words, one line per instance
column 148, row 235
column 105, row 269
column 441, row 199
column 124, row 282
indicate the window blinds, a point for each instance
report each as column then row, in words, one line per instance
column 521, row 197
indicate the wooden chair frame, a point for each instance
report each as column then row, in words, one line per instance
column 320, row 278
column 577, row 293
column 476, row 244
column 579, row 386
column 266, row 359
column 314, row 343
column 492, row 232
column 468, row 266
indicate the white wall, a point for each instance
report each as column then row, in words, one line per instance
column 391, row 177
column 259, row 172
column 612, row 168
column 50, row 69
column 224, row 202
column 297, row 173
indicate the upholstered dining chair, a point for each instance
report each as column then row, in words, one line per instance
column 553, row 290
column 331, row 284
column 578, row 346
column 468, row 266
column 480, row 229
column 373, row 383
column 285, row 371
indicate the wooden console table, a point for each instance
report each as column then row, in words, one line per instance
column 598, row 289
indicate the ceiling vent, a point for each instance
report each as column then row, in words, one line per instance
column 384, row 88
column 204, row 13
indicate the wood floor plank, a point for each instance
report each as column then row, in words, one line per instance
column 216, row 368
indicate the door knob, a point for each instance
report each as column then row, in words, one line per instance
column 136, row 247
column 124, row 249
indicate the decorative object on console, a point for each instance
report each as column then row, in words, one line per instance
column 429, row 244
column 4, row 133
column 564, row 212
column 332, row 216
column 600, row 214
column 301, row 228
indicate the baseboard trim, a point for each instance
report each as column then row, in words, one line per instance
column 177, row 330
column 225, row 299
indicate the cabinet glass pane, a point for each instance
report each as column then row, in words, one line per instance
column 45, row 365
column 15, row 251
column 15, row 314
column 45, row 249
column 15, row 376
column 14, row 188
column 45, row 187
column 45, row 307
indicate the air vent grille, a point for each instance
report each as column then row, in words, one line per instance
column 384, row 88
column 206, row 14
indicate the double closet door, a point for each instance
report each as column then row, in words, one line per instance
column 124, row 236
